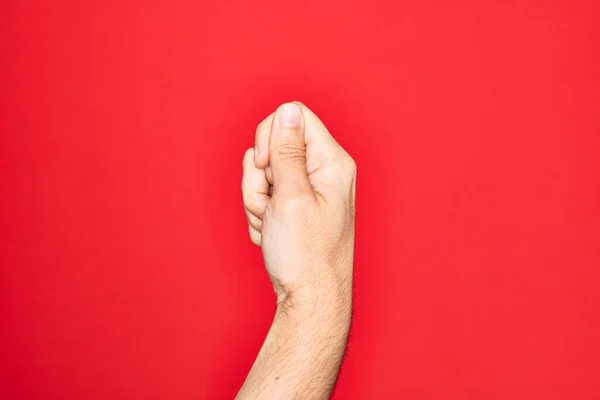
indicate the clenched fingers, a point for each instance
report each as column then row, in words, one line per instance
column 255, row 193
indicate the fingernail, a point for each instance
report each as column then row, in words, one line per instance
column 289, row 115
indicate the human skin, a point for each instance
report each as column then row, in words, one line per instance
column 298, row 188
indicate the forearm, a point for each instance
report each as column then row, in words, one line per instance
column 299, row 190
column 302, row 353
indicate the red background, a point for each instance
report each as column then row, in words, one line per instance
column 126, row 270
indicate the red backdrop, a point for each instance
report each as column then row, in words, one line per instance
column 126, row 270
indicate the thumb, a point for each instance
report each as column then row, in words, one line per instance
column 287, row 151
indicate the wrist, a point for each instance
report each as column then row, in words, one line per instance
column 320, row 304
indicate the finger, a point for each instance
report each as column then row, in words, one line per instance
column 269, row 174
column 253, row 220
column 316, row 136
column 287, row 151
column 255, row 188
column 316, row 133
column 255, row 236
column 261, row 142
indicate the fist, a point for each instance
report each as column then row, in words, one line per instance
column 298, row 189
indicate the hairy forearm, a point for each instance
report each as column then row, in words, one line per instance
column 302, row 353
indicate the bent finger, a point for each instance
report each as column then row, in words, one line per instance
column 255, row 188
column 261, row 142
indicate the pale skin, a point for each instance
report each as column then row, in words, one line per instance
column 298, row 188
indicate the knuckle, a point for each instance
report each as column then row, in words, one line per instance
column 254, row 221
column 345, row 169
column 352, row 166
column 264, row 123
column 349, row 164
column 253, row 207
column 259, row 126
column 261, row 130
column 290, row 151
column 248, row 156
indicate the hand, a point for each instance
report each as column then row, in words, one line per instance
column 298, row 188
